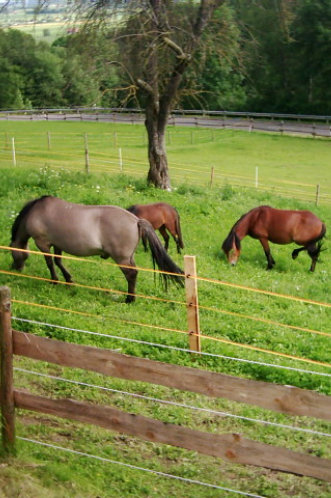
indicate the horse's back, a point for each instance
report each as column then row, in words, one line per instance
column 83, row 230
column 157, row 213
column 284, row 226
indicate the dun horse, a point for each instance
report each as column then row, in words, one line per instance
column 163, row 217
column 107, row 231
column 280, row 227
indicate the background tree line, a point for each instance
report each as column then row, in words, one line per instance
column 258, row 55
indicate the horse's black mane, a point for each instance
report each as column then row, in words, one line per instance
column 227, row 244
column 24, row 211
column 132, row 209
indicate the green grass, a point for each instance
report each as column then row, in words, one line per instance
column 207, row 214
column 289, row 166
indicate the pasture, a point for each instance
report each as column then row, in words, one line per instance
column 50, row 159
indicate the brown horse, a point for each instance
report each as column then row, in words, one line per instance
column 162, row 217
column 107, row 231
column 279, row 226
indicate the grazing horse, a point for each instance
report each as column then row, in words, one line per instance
column 279, row 226
column 162, row 217
column 107, row 231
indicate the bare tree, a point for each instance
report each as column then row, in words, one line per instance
column 157, row 40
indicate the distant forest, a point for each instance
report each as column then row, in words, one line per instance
column 274, row 57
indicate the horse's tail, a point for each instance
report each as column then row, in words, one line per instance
column 160, row 255
column 323, row 231
column 179, row 231
column 319, row 245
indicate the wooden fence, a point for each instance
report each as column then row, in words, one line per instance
column 233, row 448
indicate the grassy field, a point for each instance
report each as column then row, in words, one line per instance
column 58, row 168
column 285, row 165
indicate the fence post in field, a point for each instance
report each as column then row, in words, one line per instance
column 87, row 159
column 317, row 193
column 211, row 176
column 281, row 128
column 6, row 378
column 192, row 305
column 13, row 150
column 120, row 159
column 256, row 177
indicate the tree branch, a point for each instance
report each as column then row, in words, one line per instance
column 176, row 48
column 145, row 86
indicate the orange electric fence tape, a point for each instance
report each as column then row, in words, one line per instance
column 204, row 279
column 225, row 341
column 87, row 260
column 93, row 315
column 260, row 291
column 73, row 284
column 263, row 320
column 208, row 308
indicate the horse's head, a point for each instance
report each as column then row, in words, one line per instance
column 231, row 247
column 19, row 256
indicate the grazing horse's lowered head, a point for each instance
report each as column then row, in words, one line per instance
column 20, row 237
column 232, row 247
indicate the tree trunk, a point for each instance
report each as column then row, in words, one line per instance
column 158, row 173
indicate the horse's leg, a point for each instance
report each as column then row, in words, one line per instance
column 131, row 277
column 165, row 235
column 295, row 253
column 46, row 248
column 58, row 262
column 172, row 229
column 270, row 259
column 313, row 252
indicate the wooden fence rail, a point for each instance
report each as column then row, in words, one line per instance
column 231, row 447
column 285, row 399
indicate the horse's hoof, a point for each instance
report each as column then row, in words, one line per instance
column 130, row 299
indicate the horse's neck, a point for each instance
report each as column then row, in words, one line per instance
column 22, row 237
column 242, row 228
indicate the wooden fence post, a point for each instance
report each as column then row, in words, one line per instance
column 13, row 150
column 120, row 159
column 256, row 177
column 317, row 194
column 191, row 287
column 87, row 159
column 211, row 176
column 6, row 378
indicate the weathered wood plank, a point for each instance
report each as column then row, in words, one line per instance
column 230, row 447
column 6, row 374
column 286, row 399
